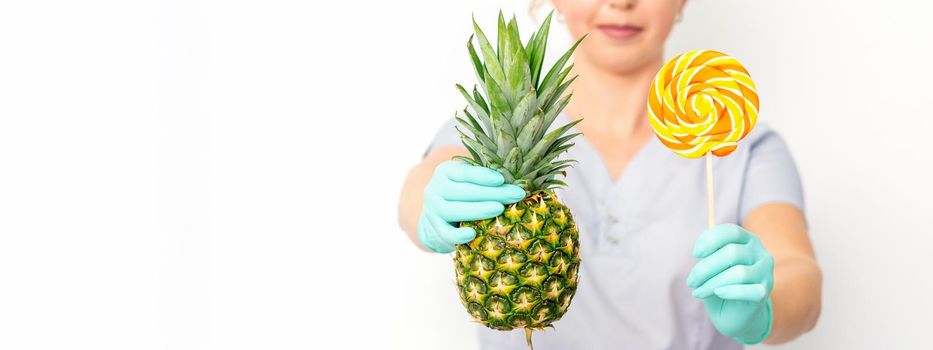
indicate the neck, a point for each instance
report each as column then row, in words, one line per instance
column 611, row 102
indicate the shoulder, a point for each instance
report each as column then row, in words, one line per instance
column 762, row 133
column 763, row 139
column 769, row 172
column 763, row 149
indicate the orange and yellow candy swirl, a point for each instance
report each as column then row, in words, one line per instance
column 702, row 101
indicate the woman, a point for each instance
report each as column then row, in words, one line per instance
column 651, row 278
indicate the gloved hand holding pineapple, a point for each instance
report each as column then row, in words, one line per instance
column 516, row 266
column 461, row 192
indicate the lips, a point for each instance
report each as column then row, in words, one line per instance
column 620, row 32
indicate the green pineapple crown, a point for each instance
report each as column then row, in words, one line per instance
column 509, row 132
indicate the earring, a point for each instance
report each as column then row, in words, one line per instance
column 558, row 17
column 680, row 16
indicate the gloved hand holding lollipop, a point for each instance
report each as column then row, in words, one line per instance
column 702, row 103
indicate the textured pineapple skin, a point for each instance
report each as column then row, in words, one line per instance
column 521, row 269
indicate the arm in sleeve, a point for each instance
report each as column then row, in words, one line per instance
column 445, row 136
column 771, row 175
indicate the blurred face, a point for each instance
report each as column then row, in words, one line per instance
column 625, row 35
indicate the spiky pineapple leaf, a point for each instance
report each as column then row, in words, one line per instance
column 497, row 99
column 479, row 100
column 548, row 170
column 490, row 157
column 477, row 133
column 539, row 168
column 560, row 91
column 466, row 112
column 557, row 144
column 501, row 39
column 471, row 145
column 541, row 146
column 477, row 64
column 518, row 72
column 557, row 151
column 528, row 45
column 513, row 107
column 526, row 136
column 548, row 91
column 538, row 181
column 467, row 160
column 513, row 160
column 504, row 135
column 524, row 111
column 539, row 49
column 554, row 183
column 552, row 113
column 481, row 113
column 491, row 62
column 558, row 67
column 555, row 168
column 506, row 173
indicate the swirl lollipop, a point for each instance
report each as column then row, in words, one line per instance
column 702, row 103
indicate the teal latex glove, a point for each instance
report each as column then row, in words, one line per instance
column 461, row 192
column 734, row 279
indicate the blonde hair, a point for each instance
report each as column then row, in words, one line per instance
column 533, row 7
column 535, row 4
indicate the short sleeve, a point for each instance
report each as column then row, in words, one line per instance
column 771, row 175
column 446, row 135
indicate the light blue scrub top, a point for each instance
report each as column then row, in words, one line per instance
column 637, row 235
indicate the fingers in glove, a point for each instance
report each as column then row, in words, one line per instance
column 450, row 211
column 738, row 274
column 448, row 234
column 463, row 172
column 743, row 292
column 428, row 236
column 715, row 238
column 468, row 192
column 730, row 255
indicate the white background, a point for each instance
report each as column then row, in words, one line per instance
column 224, row 174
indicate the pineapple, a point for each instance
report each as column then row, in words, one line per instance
column 521, row 269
